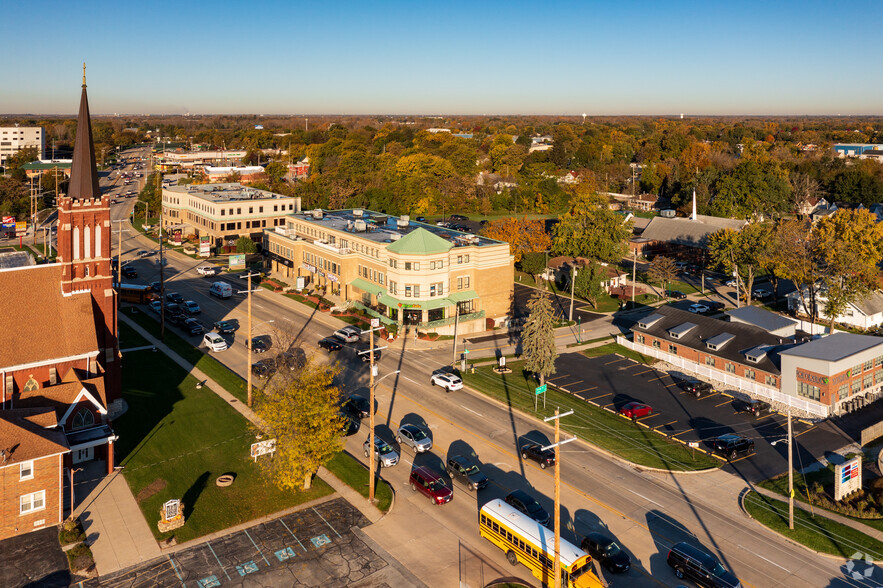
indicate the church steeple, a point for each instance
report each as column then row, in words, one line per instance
column 84, row 173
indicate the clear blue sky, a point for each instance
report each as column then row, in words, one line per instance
column 476, row 57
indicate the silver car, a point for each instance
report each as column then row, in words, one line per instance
column 385, row 454
column 414, row 436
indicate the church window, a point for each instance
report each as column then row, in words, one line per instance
column 97, row 240
column 76, row 240
column 87, row 242
column 31, row 385
column 83, row 418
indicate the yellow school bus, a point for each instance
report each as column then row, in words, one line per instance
column 526, row 541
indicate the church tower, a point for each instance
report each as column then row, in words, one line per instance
column 84, row 246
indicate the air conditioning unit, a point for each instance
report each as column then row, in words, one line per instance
column 360, row 226
column 357, row 212
column 403, row 221
column 668, row 213
column 317, row 214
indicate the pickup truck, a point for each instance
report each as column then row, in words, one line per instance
column 208, row 270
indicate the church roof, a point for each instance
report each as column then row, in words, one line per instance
column 84, row 173
column 25, row 434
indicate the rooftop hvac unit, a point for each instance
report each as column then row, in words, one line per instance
column 395, row 236
column 404, row 220
column 357, row 212
column 349, row 225
column 668, row 213
column 360, row 226
column 317, row 214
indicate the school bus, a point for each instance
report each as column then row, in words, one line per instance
column 526, row 541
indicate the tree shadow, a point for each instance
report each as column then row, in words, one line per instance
column 192, row 494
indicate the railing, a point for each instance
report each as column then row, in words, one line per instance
column 451, row 320
column 729, row 379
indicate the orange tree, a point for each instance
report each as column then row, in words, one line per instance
column 523, row 236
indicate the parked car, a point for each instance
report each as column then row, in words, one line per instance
column 447, row 381
column 155, row 305
column 635, row 410
column 331, row 344
column 698, row 308
column 758, row 408
column 730, row 283
column 190, row 307
column 733, row 446
column 534, row 451
column 386, row 455
column 214, row 342
column 693, row 563
column 681, row 264
column 676, row 294
column 458, row 217
column 208, row 270
column 364, row 353
column 415, row 437
column 348, row 334
column 524, row 502
column 606, row 551
column 293, row 359
column 175, row 316
column 193, row 326
column 420, row 219
column 129, row 272
column 263, row 368
column 174, row 297
column 156, row 286
column 226, row 326
column 259, row 344
column 714, row 305
column 430, row 485
column 695, row 387
column 358, row 406
column 761, row 293
column 466, row 471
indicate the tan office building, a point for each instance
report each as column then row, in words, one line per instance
column 403, row 271
column 224, row 212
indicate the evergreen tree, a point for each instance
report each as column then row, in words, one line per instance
column 538, row 336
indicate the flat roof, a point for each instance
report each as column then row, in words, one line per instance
column 386, row 229
column 230, row 192
column 835, row 347
column 759, row 317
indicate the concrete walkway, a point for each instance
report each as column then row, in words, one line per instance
column 115, row 527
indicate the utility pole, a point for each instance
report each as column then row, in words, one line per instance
column 790, row 476
column 634, row 273
column 248, row 342
column 572, row 282
column 557, row 520
column 374, row 324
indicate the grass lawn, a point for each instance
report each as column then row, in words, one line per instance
column 129, row 337
column 817, row 532
column 355, row 475
column 231, row 381
column 617, row 348
column 597, row 426
column 176, row 440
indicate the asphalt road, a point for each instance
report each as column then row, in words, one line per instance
column 646, row 512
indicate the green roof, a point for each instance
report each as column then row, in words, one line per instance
column 461, row 296
column 38, row 165
column 420, row 242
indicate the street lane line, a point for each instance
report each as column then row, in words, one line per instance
column 472, row 411
column 765, row 559
column 645, row 498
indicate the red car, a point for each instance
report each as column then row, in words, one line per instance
column 635, row 410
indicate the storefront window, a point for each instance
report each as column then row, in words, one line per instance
column 436, row 314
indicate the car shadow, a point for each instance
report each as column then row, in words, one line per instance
column 667, row 531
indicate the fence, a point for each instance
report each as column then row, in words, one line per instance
column 749, row 386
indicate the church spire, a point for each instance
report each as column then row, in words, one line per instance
column 84, row 173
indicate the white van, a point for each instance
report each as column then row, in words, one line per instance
column 221, row 290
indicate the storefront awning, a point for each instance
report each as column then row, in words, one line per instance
column 462, row 296
column 367, row 286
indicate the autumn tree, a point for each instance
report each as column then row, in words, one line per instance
column 538, row 336
column 587, row 283
column 591, row 229
column 664, row 270
column 303, row 418
column 741, row 252
column 523, row 236
column 794, row 259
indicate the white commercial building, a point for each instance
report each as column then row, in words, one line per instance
column 14, row 139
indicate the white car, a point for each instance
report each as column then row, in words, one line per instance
column 447, row 381
column 214, row 342
column 208, row 270
column 730, row 283
column 415, row 437
column 761, row 293
column 348, row 334
column 698, row 308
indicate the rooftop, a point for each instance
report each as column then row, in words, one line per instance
column 232, row 192
column 766, row 320
column 685, row 231
column 386, row 229
column 835, row 347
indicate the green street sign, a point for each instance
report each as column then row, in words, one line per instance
column 465, row 352
column 540, row 389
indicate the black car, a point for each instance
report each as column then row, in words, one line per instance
column 521, row 500
column 331, row 344
column 458, row 217
column 263, row 368
column 713, row 305
column 693, row 563
column 734, row 445
column 535, row 452
column 697, row 388
column 258, row 344
column 676, row 294
column 466, row 471
column 350, row 424
column 357, row 406
column 193, row 326
column 174, row 297
column 156, row 286
column 365, row 354
column 129, row 272
column 293, row 359
column 420, row 219
column 605, row 550
column 758, row 408
column 175, row 317
column 226, row 327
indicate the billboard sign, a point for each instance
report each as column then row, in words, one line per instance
column 847, row 478
column 21, row 228
column 237, row 262
column 205, row 246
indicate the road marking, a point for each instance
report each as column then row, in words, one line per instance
column 326, row 522
column 668, row 385
column 665, row 425
column 648, row 416
column 765, row 559
column 599, row 396
column 472, row 411
column 256, row 547
column 292, row 534
column 727, row 401
column 557, row 378
column 681, row 433
column 618, row 359
column 177, row 573
column 644, row 497
column 644, row 372
column 218, row 560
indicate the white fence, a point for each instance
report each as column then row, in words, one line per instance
column 749, row 386
column 815, row 328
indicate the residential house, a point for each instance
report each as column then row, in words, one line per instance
column 866, row 313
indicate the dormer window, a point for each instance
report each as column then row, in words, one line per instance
column 681, row 330
column 649, row 321
column 718, row 341
column 83, row 418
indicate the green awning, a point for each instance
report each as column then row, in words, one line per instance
column 367, row 286
column 383, row 297
column 462, row 296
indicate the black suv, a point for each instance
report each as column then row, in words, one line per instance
column 174, row 297
column 676, row 294
column 734, row 445
column 464, row 469
column 758, row 408
column 521, row 500
column 535, row 452
column 703, row 568
column 697, row 388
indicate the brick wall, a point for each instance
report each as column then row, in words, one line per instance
column 47, row 477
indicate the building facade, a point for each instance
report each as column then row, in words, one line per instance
column 15, row 139
column 405, row 272
column 224, row 212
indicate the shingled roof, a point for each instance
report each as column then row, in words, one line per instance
column 684, row 231
column 84, row 174
column 26, row 434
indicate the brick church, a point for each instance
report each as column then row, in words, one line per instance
column 60, row 377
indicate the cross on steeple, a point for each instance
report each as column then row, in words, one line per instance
column 84, row 74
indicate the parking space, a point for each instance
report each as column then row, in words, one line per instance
column 612, row 381
column 316, row 546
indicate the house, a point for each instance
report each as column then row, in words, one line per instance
column 809, row 205
column 866, row 313
column 560, row 269
column 645, row 202
column 246, row 174
column 569, row 178
column 299, row 170
column 681, row 237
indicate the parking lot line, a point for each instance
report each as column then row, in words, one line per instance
column 177, row 573
column 292, row 534
column 668, row 385
column 609, row 405
column 557, row 377
column 681, row 433
column 645, row 371
column 586, row 390
column 218, row 560
column 600, row 396
column 766, row 416
column 326, row 522
column 648, row 416
column 727, row 401
column 618, row 359
column 256, row 547
column 665, row 425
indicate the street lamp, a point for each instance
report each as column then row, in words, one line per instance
column 73, row 471
column 249, row 291
column 572, row 282
column 375, row 326
column 557, row 520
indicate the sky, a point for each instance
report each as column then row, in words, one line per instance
column 452, row 57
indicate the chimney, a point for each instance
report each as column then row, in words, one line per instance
column 694, row 205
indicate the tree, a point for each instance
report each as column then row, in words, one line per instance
column 303, row 418
column 276, row 171
column 743, row 252
column 794, row 259
column 538, row 336
column 754, row 188
column 523, row 235
column 533, row 263
column 663, row 269
column 591, row 229
column 588, row 283
column 804, row 188
column 245, row 245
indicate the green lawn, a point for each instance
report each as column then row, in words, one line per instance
column 214, row 369
column 355, row 475
column 617, row 348
column 175, row 440
column 129, row 337
column 597, row 426
column 818, row 533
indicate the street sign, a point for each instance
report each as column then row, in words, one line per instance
column 466, row 352
column 541, row 389
column 375, row 322
column 693, row 444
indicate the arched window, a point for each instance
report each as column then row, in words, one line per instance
column 97, row 240
column 76, row 240
column 83, row 418
column 87, row 242
column 31, row 385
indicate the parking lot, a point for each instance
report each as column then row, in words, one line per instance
column 315, row 546
column 612, row 381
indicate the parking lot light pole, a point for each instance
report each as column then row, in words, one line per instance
column 248, row 342
column 557, row 520
column 572, row 282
